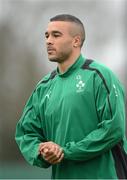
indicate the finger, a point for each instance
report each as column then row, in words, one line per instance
column 55, row 161
column 39, row 148
column 46, row 145
column 60, row 151
column 52, row 149
column 57, row 154
column 56, row 151
column 45, row 151
column 42, row 146
column 58, row 160
column 48, row 158
column 52, row 153
column 52, row 158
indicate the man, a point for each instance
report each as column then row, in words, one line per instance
column 74, row 120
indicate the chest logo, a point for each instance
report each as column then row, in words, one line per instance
column 80, row 84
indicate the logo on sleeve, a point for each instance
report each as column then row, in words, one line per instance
column 48, row 94
column 80, row 85
column 116, row 92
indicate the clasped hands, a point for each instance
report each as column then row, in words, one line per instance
column 51, row 152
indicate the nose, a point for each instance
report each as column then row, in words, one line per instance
column 49, row 40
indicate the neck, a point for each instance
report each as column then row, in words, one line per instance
column 68, row 62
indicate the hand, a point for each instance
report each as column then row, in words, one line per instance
column 51, row 152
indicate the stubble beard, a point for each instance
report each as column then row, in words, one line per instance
column 62, row 57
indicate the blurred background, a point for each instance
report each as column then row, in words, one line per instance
column 23, row 60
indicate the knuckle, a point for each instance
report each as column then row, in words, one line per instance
column 57, row 156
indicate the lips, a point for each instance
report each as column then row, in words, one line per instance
column 50, row 49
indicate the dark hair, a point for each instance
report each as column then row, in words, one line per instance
column 71, row 18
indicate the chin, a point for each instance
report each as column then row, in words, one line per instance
column 53, row 59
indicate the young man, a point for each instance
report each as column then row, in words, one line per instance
column 74, row 120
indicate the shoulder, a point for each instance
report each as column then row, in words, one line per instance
column 43, row 85
column 93, row 65
column 102, row 70
column 102, row 73
column 105, row 74
column 45, row 81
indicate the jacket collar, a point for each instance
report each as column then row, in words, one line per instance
column 78, row 63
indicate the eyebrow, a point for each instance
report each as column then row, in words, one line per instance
column 53, row 32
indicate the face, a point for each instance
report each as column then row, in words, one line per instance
column 59, row 41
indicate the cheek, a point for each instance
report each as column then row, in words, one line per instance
column 65, row 45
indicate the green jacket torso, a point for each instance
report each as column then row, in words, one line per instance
column 83, row 111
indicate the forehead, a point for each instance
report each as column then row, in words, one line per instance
column 61, row 26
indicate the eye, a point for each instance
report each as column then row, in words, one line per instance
column 56, row 35
column 46, row 36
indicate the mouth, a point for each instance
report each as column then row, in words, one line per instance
column 50, row 50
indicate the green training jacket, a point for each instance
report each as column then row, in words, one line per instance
column 83, row 111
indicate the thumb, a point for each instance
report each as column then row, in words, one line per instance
column 45, row 151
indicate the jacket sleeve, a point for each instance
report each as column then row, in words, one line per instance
column 29, row 132
column 110, row 107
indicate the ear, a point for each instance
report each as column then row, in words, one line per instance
column 77, row 41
